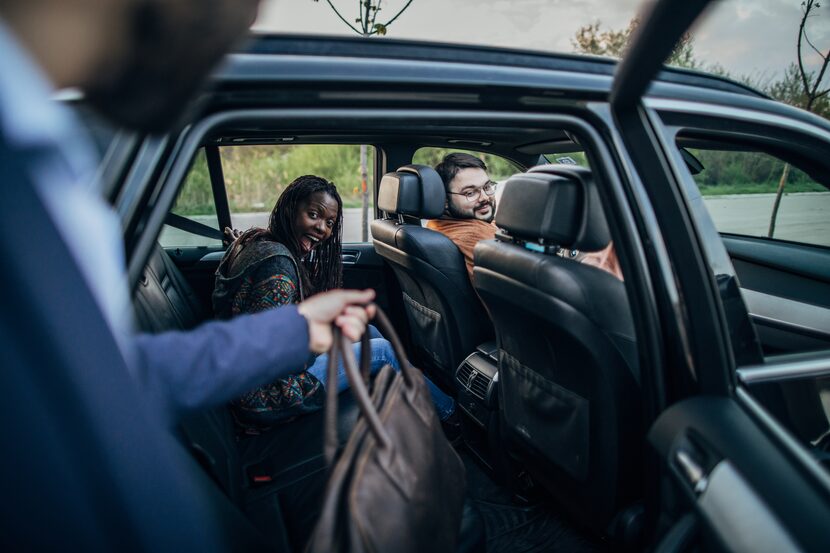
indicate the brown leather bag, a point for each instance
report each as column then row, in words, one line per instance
column 398, row 485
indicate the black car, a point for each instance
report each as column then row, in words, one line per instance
column 686, row 407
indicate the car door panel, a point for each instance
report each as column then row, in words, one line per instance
column 364, row 268
column 198, row 266
column 787, row 289
column 740, row 482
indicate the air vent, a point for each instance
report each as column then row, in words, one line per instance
column 475, row 375
column 479, row 385
column 463, row 374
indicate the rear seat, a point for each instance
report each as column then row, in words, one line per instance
column 259, row 474
column 276, row 478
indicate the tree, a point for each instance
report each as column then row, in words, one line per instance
column 366, row 21
column 808, row 95
column 366, row 25
column 593, row 39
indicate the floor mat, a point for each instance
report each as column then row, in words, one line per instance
column 512, row 528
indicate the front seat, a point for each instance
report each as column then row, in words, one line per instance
column 446, row 318
column 569, row 382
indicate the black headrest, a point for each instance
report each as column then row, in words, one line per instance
column 557, row 203
column 415, row 190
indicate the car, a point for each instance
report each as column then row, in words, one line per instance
column 711, row 435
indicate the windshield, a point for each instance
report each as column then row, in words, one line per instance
column 753, row 41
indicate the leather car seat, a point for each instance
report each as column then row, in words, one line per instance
column 258, row 474
column 446, row 318
column 568, row 371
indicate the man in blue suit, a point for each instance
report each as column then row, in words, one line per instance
column 90, row 462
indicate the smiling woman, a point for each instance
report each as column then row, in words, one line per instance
column 296, row 256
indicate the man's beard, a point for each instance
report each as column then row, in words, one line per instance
column 456, row 213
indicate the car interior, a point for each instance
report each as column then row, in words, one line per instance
column 684, row 406
column 540, row 342
column 521, row 486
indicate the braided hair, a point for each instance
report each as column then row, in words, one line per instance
column 322, row 268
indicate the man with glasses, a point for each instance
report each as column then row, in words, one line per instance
column 470, row 204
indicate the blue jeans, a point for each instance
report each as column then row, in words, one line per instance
column 382, row 354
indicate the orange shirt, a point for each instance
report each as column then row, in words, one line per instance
column 606, row 259
column 464, row 233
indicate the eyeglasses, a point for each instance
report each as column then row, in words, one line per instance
column 488, row 188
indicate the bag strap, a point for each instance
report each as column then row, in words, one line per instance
column 409, row 372
column 358, row 381
column 359, row 389
column 330, row 430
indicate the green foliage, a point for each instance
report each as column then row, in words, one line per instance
column 255, row 176
column 733, row 172
column 196, row 195
column 790, row 90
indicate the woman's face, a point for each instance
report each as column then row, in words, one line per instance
column 315, row 221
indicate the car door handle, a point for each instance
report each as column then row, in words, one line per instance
column 350, row 257
column 692, row 470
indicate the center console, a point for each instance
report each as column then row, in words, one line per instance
column 477, row 379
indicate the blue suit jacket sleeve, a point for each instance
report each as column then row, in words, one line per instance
column 220, row 360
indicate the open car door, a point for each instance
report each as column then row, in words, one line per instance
column 732, row 476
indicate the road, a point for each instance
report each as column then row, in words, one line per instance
column 801, row 217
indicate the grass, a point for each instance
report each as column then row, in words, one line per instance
column 762, row 188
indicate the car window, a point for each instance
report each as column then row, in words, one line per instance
column 569, row 158
column 772, row 219
column 498, row 168
column 194, row 202
column 255, row 176
column 741, row 190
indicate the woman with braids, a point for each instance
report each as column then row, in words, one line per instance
column 298, row 255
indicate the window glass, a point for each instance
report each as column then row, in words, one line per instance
column 741, row 190
column 195, row 202
column 255, row 176
column 569, row 158
column 498, row 168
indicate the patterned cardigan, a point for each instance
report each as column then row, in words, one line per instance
column 265, row 275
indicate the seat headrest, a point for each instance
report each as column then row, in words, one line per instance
column 415, row 190
column 557, row 203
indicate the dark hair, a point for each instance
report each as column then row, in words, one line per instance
column 323, row 269
column 455, row 162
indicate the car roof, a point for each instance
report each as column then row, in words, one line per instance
column 304, row 71
column 336, row 47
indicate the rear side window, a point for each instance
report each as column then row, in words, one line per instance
column 498, row 168
column 741, row 192
column 195, row 202
column 569, row 158
column 255, row 176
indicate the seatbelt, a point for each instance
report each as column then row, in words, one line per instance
column 193, row 227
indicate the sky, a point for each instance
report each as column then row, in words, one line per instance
column 756, row 38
